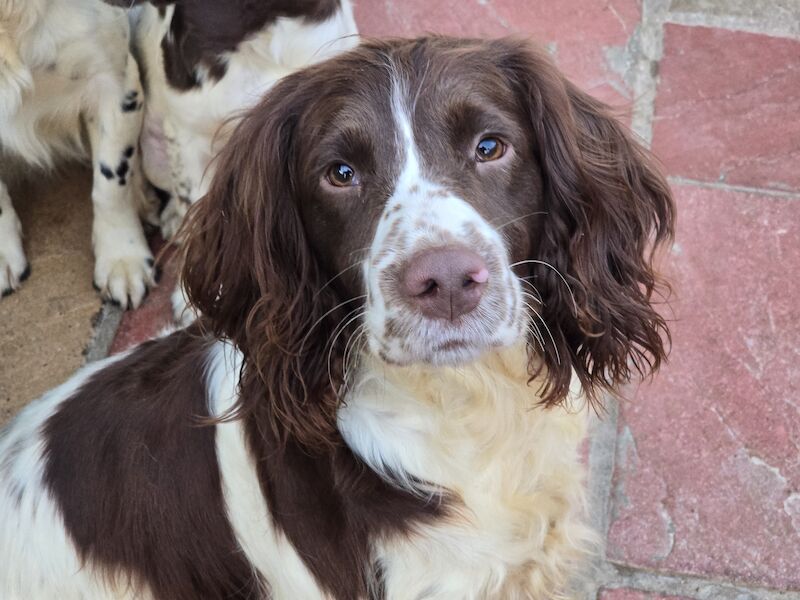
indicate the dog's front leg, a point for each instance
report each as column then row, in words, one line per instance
column 190, row 163
column 13, row 264
column 123, row 262
column 190, row 159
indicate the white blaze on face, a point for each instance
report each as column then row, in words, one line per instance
column 421, row 215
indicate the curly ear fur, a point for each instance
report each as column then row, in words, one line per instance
column 609, row 209
column 250, row 271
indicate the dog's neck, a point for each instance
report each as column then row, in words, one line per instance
column 475, row 435
column 450, row 425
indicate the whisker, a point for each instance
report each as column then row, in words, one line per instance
column 538, row 212
column 556, row 271
column 343, row 323
column 547, row 329
column 350, row 352
column 358, row 250
column 353, row 337
column 333, row 345
column 537, row 297
column 533, row 329
column 339, row 274
column 318, row 321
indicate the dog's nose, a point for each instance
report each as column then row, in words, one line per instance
column 446, row 282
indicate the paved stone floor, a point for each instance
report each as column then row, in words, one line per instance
column 695, row 478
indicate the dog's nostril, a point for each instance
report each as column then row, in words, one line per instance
column 430, row 288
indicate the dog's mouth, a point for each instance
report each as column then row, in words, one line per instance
column 452, row 345
column 414, row 338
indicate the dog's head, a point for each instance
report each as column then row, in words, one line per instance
column 434, row 198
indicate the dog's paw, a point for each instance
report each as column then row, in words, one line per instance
column 172, row 217
column 124, row 278
column 14, row 268
column 13, row 271
column 182, row 312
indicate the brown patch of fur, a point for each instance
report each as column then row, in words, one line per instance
column 331, row 506
column 202, row 31
column 136, row 478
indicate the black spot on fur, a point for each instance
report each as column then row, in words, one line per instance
column 128, row 152
column 185, row 200
column 106, row 171
column 163, row 197
column 131, row 102
column 122, row 169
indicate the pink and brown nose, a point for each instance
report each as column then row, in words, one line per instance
column 445, row 283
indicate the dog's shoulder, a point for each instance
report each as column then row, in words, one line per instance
column 129, row 465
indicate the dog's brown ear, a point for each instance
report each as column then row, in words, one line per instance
column 609, row 209
column 250, row 271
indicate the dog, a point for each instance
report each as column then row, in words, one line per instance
column 417, row 264
column 204, row 62
column 65, row 66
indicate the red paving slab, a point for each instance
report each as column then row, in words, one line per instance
column 708, row 466
column 727, row 107
column 635, row 595
column 155, row 313
column 580, row 34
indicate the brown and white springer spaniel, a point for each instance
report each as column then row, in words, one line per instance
column 415, row 262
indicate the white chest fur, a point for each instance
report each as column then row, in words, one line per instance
column 513, row 467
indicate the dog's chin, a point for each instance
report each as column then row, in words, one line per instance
column 452, row 353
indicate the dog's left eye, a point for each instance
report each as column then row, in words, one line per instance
column 489, row 148
column 342, row 175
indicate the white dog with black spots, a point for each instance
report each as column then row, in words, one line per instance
column 69, row 87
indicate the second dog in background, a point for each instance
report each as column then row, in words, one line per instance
column 204, row 62
column 65, row 69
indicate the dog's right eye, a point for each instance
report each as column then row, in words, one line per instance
column 489, row 149
column 342, row 175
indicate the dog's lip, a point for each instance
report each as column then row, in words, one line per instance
column 449, row 345
column 453, row 352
